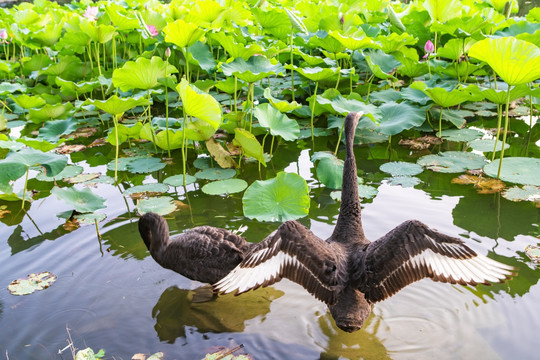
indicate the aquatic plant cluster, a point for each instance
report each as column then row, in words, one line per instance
column 211, row 86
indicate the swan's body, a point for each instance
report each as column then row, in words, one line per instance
column 204, row 253
column 347, row 271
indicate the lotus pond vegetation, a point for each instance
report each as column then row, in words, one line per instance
column 230, row 113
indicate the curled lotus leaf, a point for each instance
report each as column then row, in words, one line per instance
column 142, row 73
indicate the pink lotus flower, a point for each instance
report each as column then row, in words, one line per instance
column 429, row 48
column 91, row 13
column 3, row 36
column 152, row 30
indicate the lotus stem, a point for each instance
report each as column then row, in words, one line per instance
column 115, row 120
column 338, row 78
column 440, row 123
column 167, row 108
column 184, row 150
column 339, row 138
column 25, row 187
column 505, row 130
column 252, row 92
column 292, row 69
column 499, row 119
column 313, row 110
column 235, row 90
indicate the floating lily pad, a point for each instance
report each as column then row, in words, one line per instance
column 162, row 205
column 138, row 164
column 84, row 178
column 220, row 187
column 69, row 171
column 452, row 161
column 526, row 193
column 33, row 282
column 285, row 197
column 487, row 145
column 215, row 174
column 401, row 168
column 147, row 188
column 178, row 180
column 82, row 200
column 518, row 170
column 404, row 181
column 364, row 192
column 461, row 134
column 90, row 218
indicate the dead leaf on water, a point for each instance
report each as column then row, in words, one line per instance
column 420, row 143
column 222, row 156
column 180, row 205
column 71, row 225
column 98, row 142
column 33, row 282
column 483, row 186
column 4, row 211
column 68, row 149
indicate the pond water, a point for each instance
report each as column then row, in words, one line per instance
column 112, row 295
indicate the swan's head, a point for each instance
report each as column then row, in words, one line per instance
column 351, row 310
column 154, row 230
column 353, row 118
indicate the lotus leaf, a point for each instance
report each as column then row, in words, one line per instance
column 82, row 200
column 254, row 69
column 222, row 156
column 145, row 165
column 142, row 73
column 50, row 112
column 278, row 123
column 452, row 161
column 330, row 172
column 69, row 171
column 200, row 105
column 285, row 197
column 443, row 10
column 221, row 187
column 401, row 168
column 162, row 205
column 17, row 163
column 33, row 282
column 28, row 102
column 296, row 22
column 381, row 64
column 249, row 144
column 397, row 117
column 89, row 218
column 445, row 98
column 515, row 61
column 526, row 193
column 404, row 181
column 98, row 33
column 146, row 188
column 364, row 192
column 182, row 34
column 282, row 105
column 355, row 41
column 325, row 41
column 274, row 22
column 518, row 170
column 486, row 145
column 343, row 106
column 234, row 49
column 215, row 174
column 54, row 129
column 314, row 73
column 394, row 42
column 178, row 180
column 461, row 134
column 200, row 55
column 76, row 88
column 117, row 106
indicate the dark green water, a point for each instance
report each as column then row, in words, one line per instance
column 112, row 295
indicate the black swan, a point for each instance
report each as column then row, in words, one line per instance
column 347, row 271
column 204, row 253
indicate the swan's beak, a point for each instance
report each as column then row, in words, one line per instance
column 358, row 115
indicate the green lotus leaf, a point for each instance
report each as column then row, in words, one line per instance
column 178, row 180
column 249, row 144
column 364, row 192
column 518, row 170
column 498, row 96
column 455, row 48
column 396, row 117
column 145, row 165
column 203, row 162
column 89, row 219
column 314, row 73
column 296, row 22
column 355, row 41
column 48, row 36
column 167, row 139
column 69, row 171
column 341, row 105
column 285, row 197
column 142, row 73
column 10, row 88
column 82, row 200
column 326, row 42
column 385, row 96
column 33, row 282
column 28, row 102
column 404, row 181
column 330, row 172
column 98, row 33
column 50, row 112
column 278, row 123
column 461, row 134
column 162, row 205
column 215, row 174
column 124, row 132
column 487, row 145
column 119, row 19
column 123, row 162
column 147, row 188
column 228, row 86
column 309, row 59
column 445, row 98
column 76, row 88
column 394, row 42
column 415, row 95
column 394, row 19
column 381, row 64
column 199, row 54
column 52, row 130
column 526, row 193
column 38, row 144
column 452, row 161
column 182, row 34
column 117, row 106
column 401, row 168
column 235, row 49
column 254, row 69
column 515, row 61
column 222, row 187
column 282, row 105
column 274, row 22
column 17, row 163
column 200, row 105
column 443, row 10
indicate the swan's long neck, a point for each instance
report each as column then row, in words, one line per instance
column 349, row 224
column 155, row 234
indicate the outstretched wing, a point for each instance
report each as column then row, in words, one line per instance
column 413, row 251
column 293, row 252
